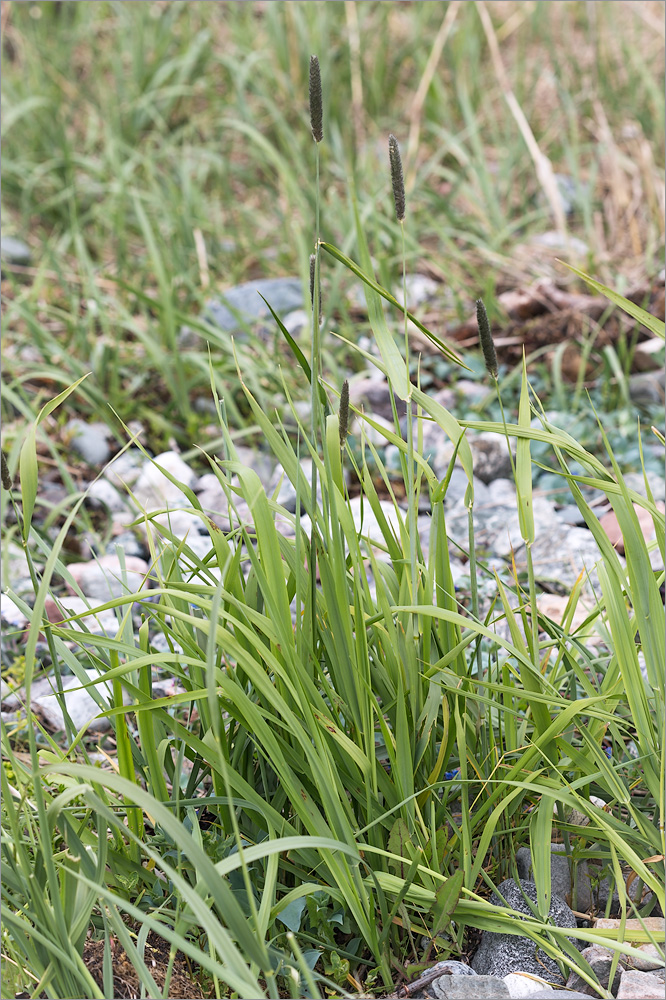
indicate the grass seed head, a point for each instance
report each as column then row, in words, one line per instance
column 6, row 475
column 343, row 416
column 316, row 112
column 397, row 180
column 486, row 338
column 313, row 272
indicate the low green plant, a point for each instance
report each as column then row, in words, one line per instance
column 332, row 683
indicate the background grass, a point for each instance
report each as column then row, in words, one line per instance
column 154, row 153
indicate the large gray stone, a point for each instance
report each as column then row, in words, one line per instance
column 374, row 395
column 500, row 954
column 560, row 876
column 635, row 481
column 243, row 304
column 15, row 251
column 81, row 707
column 647, row 388
column 521, row 985
column 464, row 988
column 430, row 988
column 600, row 960
column 103, row 493
column 153, row 490
column 640, row 986
column 104, row 579
column 492, row 459
column 419, row 288
column 125, row 468
column 89, row 440
column 558, row 995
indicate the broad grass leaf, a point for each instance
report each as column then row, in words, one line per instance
column 446, row 900
column 541, row 824
column 399, row 843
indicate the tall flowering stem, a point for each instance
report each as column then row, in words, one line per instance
column 398, row 186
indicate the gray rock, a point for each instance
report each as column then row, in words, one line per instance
column 261, row 462
column 15, row 251
column 296, row 321
column 601, row 892
column 103, row 493
column 600, row 960
column 496, row 525
column 473, row 393
column 15, row 570
column 128, row 542
column 647, row 388
column 464, row 988
column 446, row 397
column 522, row 985
column 243, row 303
column 457, row 488
column 640, row 986
column 557, row 995
column 286, row 496
column 572, row 194
column 89, row 441
column 560, row 875
column 125, row 468
column 419, row 287
column 103, row 580
column 153, row 490
column 431, row 989
column 452, row 968
column 11, row 614
column 560, row 243
column 491, row 457
column 635, row 481
column 502, row 491
column 500, row 954
column 490, row 453
column 374, row 395
column 570, row 514
column 369, row 526
column 81, row 706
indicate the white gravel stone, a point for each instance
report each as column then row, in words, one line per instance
column 125, row 469
column 153, row 490
column 524, row 984
column 81, row 706
column 103, row 578
column 11, row 613
column 103, row 492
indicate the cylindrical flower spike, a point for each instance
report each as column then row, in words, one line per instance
column 397, row 180
column 313, row 271
column 316, row 112
column 486, row 338
column 6, row 475
column 343, row 415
